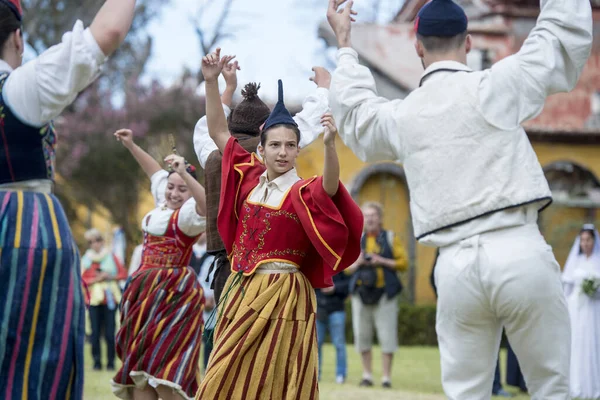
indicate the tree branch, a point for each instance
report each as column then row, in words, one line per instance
column 206, row 46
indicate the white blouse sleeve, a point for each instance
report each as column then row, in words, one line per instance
column 367, row 123
column 38, row 91
column 203, row 143
column 189, row 221
column 158, row 186
column 309, row 119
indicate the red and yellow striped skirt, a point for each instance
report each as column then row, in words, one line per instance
column 265, row 341
column 161, row 332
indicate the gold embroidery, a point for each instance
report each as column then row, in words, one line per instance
column 337, row 256
column 252, row 256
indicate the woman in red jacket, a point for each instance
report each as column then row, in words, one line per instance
column 284, row 236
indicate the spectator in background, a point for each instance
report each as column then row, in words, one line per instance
column 375, row 287
column 201, row 262
column 497, row 389
column 514, row 376
column 331, row 316
column 101, row 271
column 432, row 276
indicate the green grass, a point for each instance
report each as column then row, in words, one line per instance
column 416, row 376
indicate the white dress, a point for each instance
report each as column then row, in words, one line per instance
column 585, row 331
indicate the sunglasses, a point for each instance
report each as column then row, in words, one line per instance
column 95, row 241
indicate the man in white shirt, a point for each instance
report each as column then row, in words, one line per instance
column 475, row 184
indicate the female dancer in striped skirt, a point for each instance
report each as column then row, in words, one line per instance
column 161, row 309
column 41, row 303
column 285, row 235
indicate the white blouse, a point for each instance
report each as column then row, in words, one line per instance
column 272, row 193
column 39, row 90
column 156, row 221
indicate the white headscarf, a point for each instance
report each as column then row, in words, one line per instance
column 575, row 254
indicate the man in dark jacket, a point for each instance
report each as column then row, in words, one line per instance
column 331, row 316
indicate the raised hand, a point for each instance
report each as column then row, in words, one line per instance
column 322, row 77
column 341, row 20
column 125, row 136
column 177, row 163
column 230, row 74
column 212, row 65
column 330, row 128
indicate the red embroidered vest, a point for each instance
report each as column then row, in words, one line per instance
column 266, row 234
column 172, row 250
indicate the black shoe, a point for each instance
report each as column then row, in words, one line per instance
column 387, row 385
column 97, row 367
column 110, row 367
column 366, row 383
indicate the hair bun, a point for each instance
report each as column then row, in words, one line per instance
column 250, row 91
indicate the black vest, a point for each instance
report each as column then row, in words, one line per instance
column 26, row 152
column 393, row 285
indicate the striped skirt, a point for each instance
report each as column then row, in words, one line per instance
column 161, row 332
column 41, row 303
column 265, row 341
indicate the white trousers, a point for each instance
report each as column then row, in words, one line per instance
column 506, row 278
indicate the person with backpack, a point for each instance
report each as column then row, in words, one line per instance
column 375, row 287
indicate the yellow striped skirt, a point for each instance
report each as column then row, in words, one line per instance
column 265, row 341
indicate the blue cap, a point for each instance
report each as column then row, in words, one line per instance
column 280, row 114
column 442, row 18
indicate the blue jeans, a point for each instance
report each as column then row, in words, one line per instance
column 103, row 322
column 497, row 385
column 336, row 324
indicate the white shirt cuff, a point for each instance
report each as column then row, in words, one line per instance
column 347, row 55
column 321, row 91
column 158, row 184
column 93, row 47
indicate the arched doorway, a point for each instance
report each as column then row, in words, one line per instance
column 576, row 197
column 385, row 183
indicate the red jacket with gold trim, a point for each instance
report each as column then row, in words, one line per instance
column 318, row 233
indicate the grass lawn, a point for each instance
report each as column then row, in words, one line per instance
column 416, row 376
